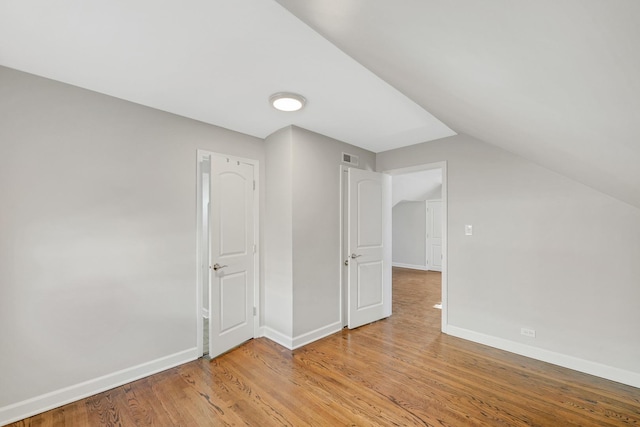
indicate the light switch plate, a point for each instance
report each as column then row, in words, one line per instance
column 468, row 230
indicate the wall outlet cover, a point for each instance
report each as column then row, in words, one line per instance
column 528, row 332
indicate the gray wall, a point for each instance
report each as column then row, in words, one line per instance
column 547, row 253
column 410, row 234
column 278, row 291
column 316, row 227
column 303, row 266
column 97, row 233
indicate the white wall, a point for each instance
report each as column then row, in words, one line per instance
column 316, row 228
column 97, row 238
column 547, row 253
column 278, row 257
column 303, row 264
column 410, row 234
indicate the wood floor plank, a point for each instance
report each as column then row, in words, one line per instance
column 398, row 371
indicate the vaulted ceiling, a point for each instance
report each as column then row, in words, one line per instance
column 557, row 82
column 217, row 61
column 553, row 81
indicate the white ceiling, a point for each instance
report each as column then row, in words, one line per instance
column 553, row 81
column 557, row 82
column 212, row 60
column 416, row 186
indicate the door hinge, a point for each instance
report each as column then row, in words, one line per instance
column 255, row 311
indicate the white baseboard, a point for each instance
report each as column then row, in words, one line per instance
column 301, row 340
column 411, row 266
column 276, row 336
column 571, row 362
column 319, row 333
column 54, row 399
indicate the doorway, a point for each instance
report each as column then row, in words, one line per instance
column 227, row 252
column 423, row 191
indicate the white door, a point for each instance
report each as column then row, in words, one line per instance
column 232, row 254
column 368, row 246
column 434, row 213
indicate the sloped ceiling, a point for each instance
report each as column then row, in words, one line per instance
column 553, row 81
column 217, row 61
column 416, row 186
column 557, row 82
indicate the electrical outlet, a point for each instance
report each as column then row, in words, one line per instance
column 528, row 332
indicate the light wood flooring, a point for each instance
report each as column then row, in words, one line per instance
column 399, row 371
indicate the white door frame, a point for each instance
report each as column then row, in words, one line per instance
column 343, row 246
column 443, row 166
column 427, row 218
column 429, row 235
column 202, row 281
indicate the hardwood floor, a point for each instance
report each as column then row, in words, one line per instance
column 398, row 371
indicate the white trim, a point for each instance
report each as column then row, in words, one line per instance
column 343, row 241
column 387, row 250
column 427, row 239
column 445, row 231
column 292, row 343
column 200, row 155
column 309, row 337
column 566, row 361
column 411, row 266
column 57, row 398
column 445, row 257
column 256, row 254
column 278, row 337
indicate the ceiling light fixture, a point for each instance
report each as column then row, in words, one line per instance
column 285, row 101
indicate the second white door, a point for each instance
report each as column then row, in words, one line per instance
column 368, row 246
column 231, row 297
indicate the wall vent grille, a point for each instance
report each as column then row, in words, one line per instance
column 350, row 159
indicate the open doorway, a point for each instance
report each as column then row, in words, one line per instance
column 419, row 218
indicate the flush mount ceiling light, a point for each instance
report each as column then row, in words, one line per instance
column 285, row 101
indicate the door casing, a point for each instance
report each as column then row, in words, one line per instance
column 434, row 207
column 442, row 166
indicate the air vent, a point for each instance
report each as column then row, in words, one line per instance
column 350, row 159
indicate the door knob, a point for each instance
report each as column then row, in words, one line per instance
column 217, row 266
column 354, row 256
